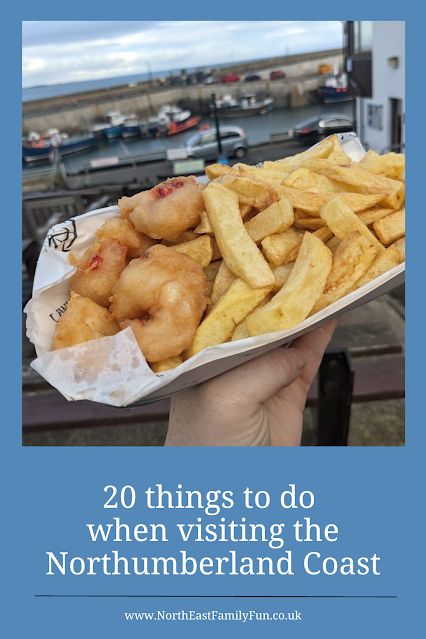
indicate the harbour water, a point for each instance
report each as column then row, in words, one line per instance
column 257, row 128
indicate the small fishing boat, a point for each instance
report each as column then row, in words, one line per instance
column 172, row 113
column 111, row 127
column 131, row 127
column 249, row 104
column 334, row 89
column 170, row 120
column 179, row 127
column 38, row 148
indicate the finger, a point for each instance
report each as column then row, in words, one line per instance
column 312, row 346
column 259, row 379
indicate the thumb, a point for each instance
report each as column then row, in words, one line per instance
column 262, row 377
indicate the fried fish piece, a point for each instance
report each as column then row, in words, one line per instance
column 99, row 269
column 167, row 209
column 83, row 321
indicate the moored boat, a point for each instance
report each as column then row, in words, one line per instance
column 170, row 120
column 249, row 104
column 334, row 89
column 131, row 127
column 42, row 149
column 111, row 127
column 179, row 127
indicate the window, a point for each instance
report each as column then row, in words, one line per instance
column 375, row 116
column 341, row 122
column 228, row 134
column 208, row 139
column 363, row 36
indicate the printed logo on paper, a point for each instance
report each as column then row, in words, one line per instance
column 63, row 237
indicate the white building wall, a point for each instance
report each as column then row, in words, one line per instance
column 388, row 41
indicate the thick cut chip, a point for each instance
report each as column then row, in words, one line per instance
column 83, row 321
column 281, row 248
column 391, row 165
column 390, row 228
column 342, row 221
column 321, row 150
column 210, row 272
column 238, row 301
column 281, row 274
column 251, row 192
column 241, row 331
column 396, row 195
column 353, row 257
column 309, row 223
column 98, row 270
column 356, row 176
column 222, row 282
column 305, row 284
column 359, row 179
column 166, row 364
column 333, row 243
column 216, row 170
column 313, row 202
column 246, row 210
column 200, row 250
column 324, row 234
column 337, row 155
column 217, row 255
column 272, row 175
column 276, row 218
column 239, row 251
column 387, row 259
column 311, row 182
column 204, row 225
column 400, row 247
column 372, row 215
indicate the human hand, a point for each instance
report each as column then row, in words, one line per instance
column 259, row 403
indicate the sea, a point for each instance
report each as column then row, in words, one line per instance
column 42, row 92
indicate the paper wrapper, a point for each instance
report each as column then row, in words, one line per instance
column 112, row 370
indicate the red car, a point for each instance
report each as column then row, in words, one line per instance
column 277, row 75
column 230, row 77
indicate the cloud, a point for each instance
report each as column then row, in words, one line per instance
column 69, row 51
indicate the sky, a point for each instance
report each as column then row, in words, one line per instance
column 56, row 52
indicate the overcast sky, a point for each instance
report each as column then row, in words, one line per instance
column 73, row 51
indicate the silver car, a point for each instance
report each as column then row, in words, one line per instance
column 204, row 144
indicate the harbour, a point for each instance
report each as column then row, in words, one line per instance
column 120, row 160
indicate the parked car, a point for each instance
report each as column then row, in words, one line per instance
column 204, row 144
column 210, row 79
column 230, row 77
column 277, row 75
column 317, row 128
column 252, row 77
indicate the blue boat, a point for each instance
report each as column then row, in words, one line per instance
column 334, row 89
column 111, row 127
column 42, row 149
column 131, row 127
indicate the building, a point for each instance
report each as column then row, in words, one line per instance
column 375, row 66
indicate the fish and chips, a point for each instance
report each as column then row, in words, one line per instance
column 187, row 266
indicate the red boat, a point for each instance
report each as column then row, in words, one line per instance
column 178, row 127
